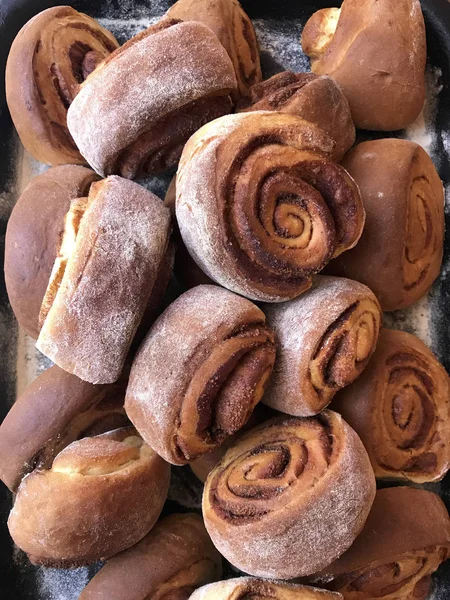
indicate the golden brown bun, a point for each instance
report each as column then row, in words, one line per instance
column 55, row 410
column 316, row 99
column 102, row 284
column 400, row 251
column 199, row 373
column 405, row 539
column 173, row 560
column 135, row 113
column 325, row 340
column 49, row 59
column 260, row 205
column 249, row 588
column 400, row 407
column 235, row 32
column 101, row 496
column 290, row 496
column 33, row 238
column 376, row 51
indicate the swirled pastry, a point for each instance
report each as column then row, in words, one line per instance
column 133, row 121
column 400, row 407
column 316, row 99
column 112, row 249
column 199, row 373
column 33, row 238
column 173, row 560
column 405, row 539
column 235, row 32
column 55, row 410
column 250, row 588
column 376, row 51
column 290, row 496
column 49, row 59
column 404, row 201
column 325, row 340
column 101, row 496
column 260, row 205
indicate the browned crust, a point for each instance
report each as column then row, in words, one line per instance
column 316, row 99
column 100, row 497
column 107, row 282
column 400, row 408
column 404, row 202
column 56, row 409
column 33, row 237
column 377, row 55
column 176, row 557
column 45, row 67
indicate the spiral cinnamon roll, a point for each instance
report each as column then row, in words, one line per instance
column 250, row 588
column 404, row 201
column 405, row 539
column 316, row 99
column 290, row 496
column 133, row 121
column 199, row 373
column 400, row 407
column 49, row 59
column 235, row 32
column 101, row 495
column 174, row 559
column 261, row 207
column 325, row 340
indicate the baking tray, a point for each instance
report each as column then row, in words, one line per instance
column 278, row 24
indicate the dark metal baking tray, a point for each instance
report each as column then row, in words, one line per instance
column 278, row 25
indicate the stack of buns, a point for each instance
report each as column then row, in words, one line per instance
column 268, row 193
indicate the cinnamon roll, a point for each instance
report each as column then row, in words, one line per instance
column 376, row 51
column 250, row 588
column 49, row 59
column 55, row 410
column 290, row 496
column 316, row 99
column 135, row 113
column 405, row 539
column 404, row 201
column 174, row 559
column 101, row 495
column 400, row 407
column 199, row 373
column 325, row 340
column 235, row 32
column 33, row 238
column 260, row 205
column 113, row 245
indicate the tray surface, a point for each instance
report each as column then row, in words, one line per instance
column 278, row 26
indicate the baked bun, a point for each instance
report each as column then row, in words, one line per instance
column 400, row 408
column 260, row 205
column 235, row 32
column 173, row 560
column 376, row 51
column 316, row 99
column 290, row 496
column 250, row 588
column 49, row 59
column 405, row 539
column 33, row 238
column 113, row 245
column 325, row 340
column 199, row 373
column 136, row 112
column 55, row 410
column 404, row 201
column 101, row 496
